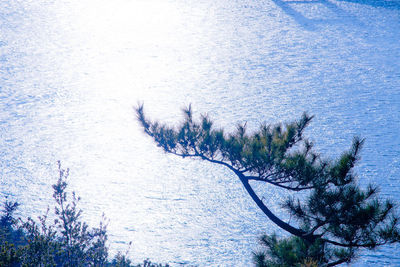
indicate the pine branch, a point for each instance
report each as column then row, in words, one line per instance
column 336, row 208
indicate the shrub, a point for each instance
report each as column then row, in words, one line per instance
column 68, row 241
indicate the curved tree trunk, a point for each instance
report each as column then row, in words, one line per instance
column 285, row 226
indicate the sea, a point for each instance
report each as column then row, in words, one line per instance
column 73, row 71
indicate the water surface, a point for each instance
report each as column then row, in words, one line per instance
column 72, row 71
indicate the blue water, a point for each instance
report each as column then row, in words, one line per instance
column 71, row 72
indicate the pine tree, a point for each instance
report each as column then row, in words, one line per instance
column 334, row 217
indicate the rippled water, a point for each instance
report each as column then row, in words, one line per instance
column 71, row 71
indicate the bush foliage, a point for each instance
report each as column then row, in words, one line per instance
column 67, row 241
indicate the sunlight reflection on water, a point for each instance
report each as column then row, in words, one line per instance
column 72, row 71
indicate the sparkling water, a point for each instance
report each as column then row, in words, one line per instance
column 71, row 73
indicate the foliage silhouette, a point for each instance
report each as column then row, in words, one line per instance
column 68, row 241
column 334, row 216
